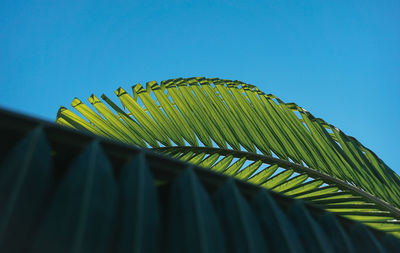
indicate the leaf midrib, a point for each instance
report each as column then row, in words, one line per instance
column 288, row 165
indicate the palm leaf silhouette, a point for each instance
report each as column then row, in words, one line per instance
column 236, row 129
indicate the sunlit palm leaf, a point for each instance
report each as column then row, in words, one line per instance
column 234, row 128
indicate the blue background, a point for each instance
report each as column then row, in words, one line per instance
column 338, row 59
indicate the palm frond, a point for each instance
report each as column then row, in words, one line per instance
column 236, row 129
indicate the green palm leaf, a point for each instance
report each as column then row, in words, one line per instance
column 236, row 129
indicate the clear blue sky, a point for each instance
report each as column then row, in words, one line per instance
column 338, row 59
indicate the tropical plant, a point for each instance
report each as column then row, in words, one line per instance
column 234, row 128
